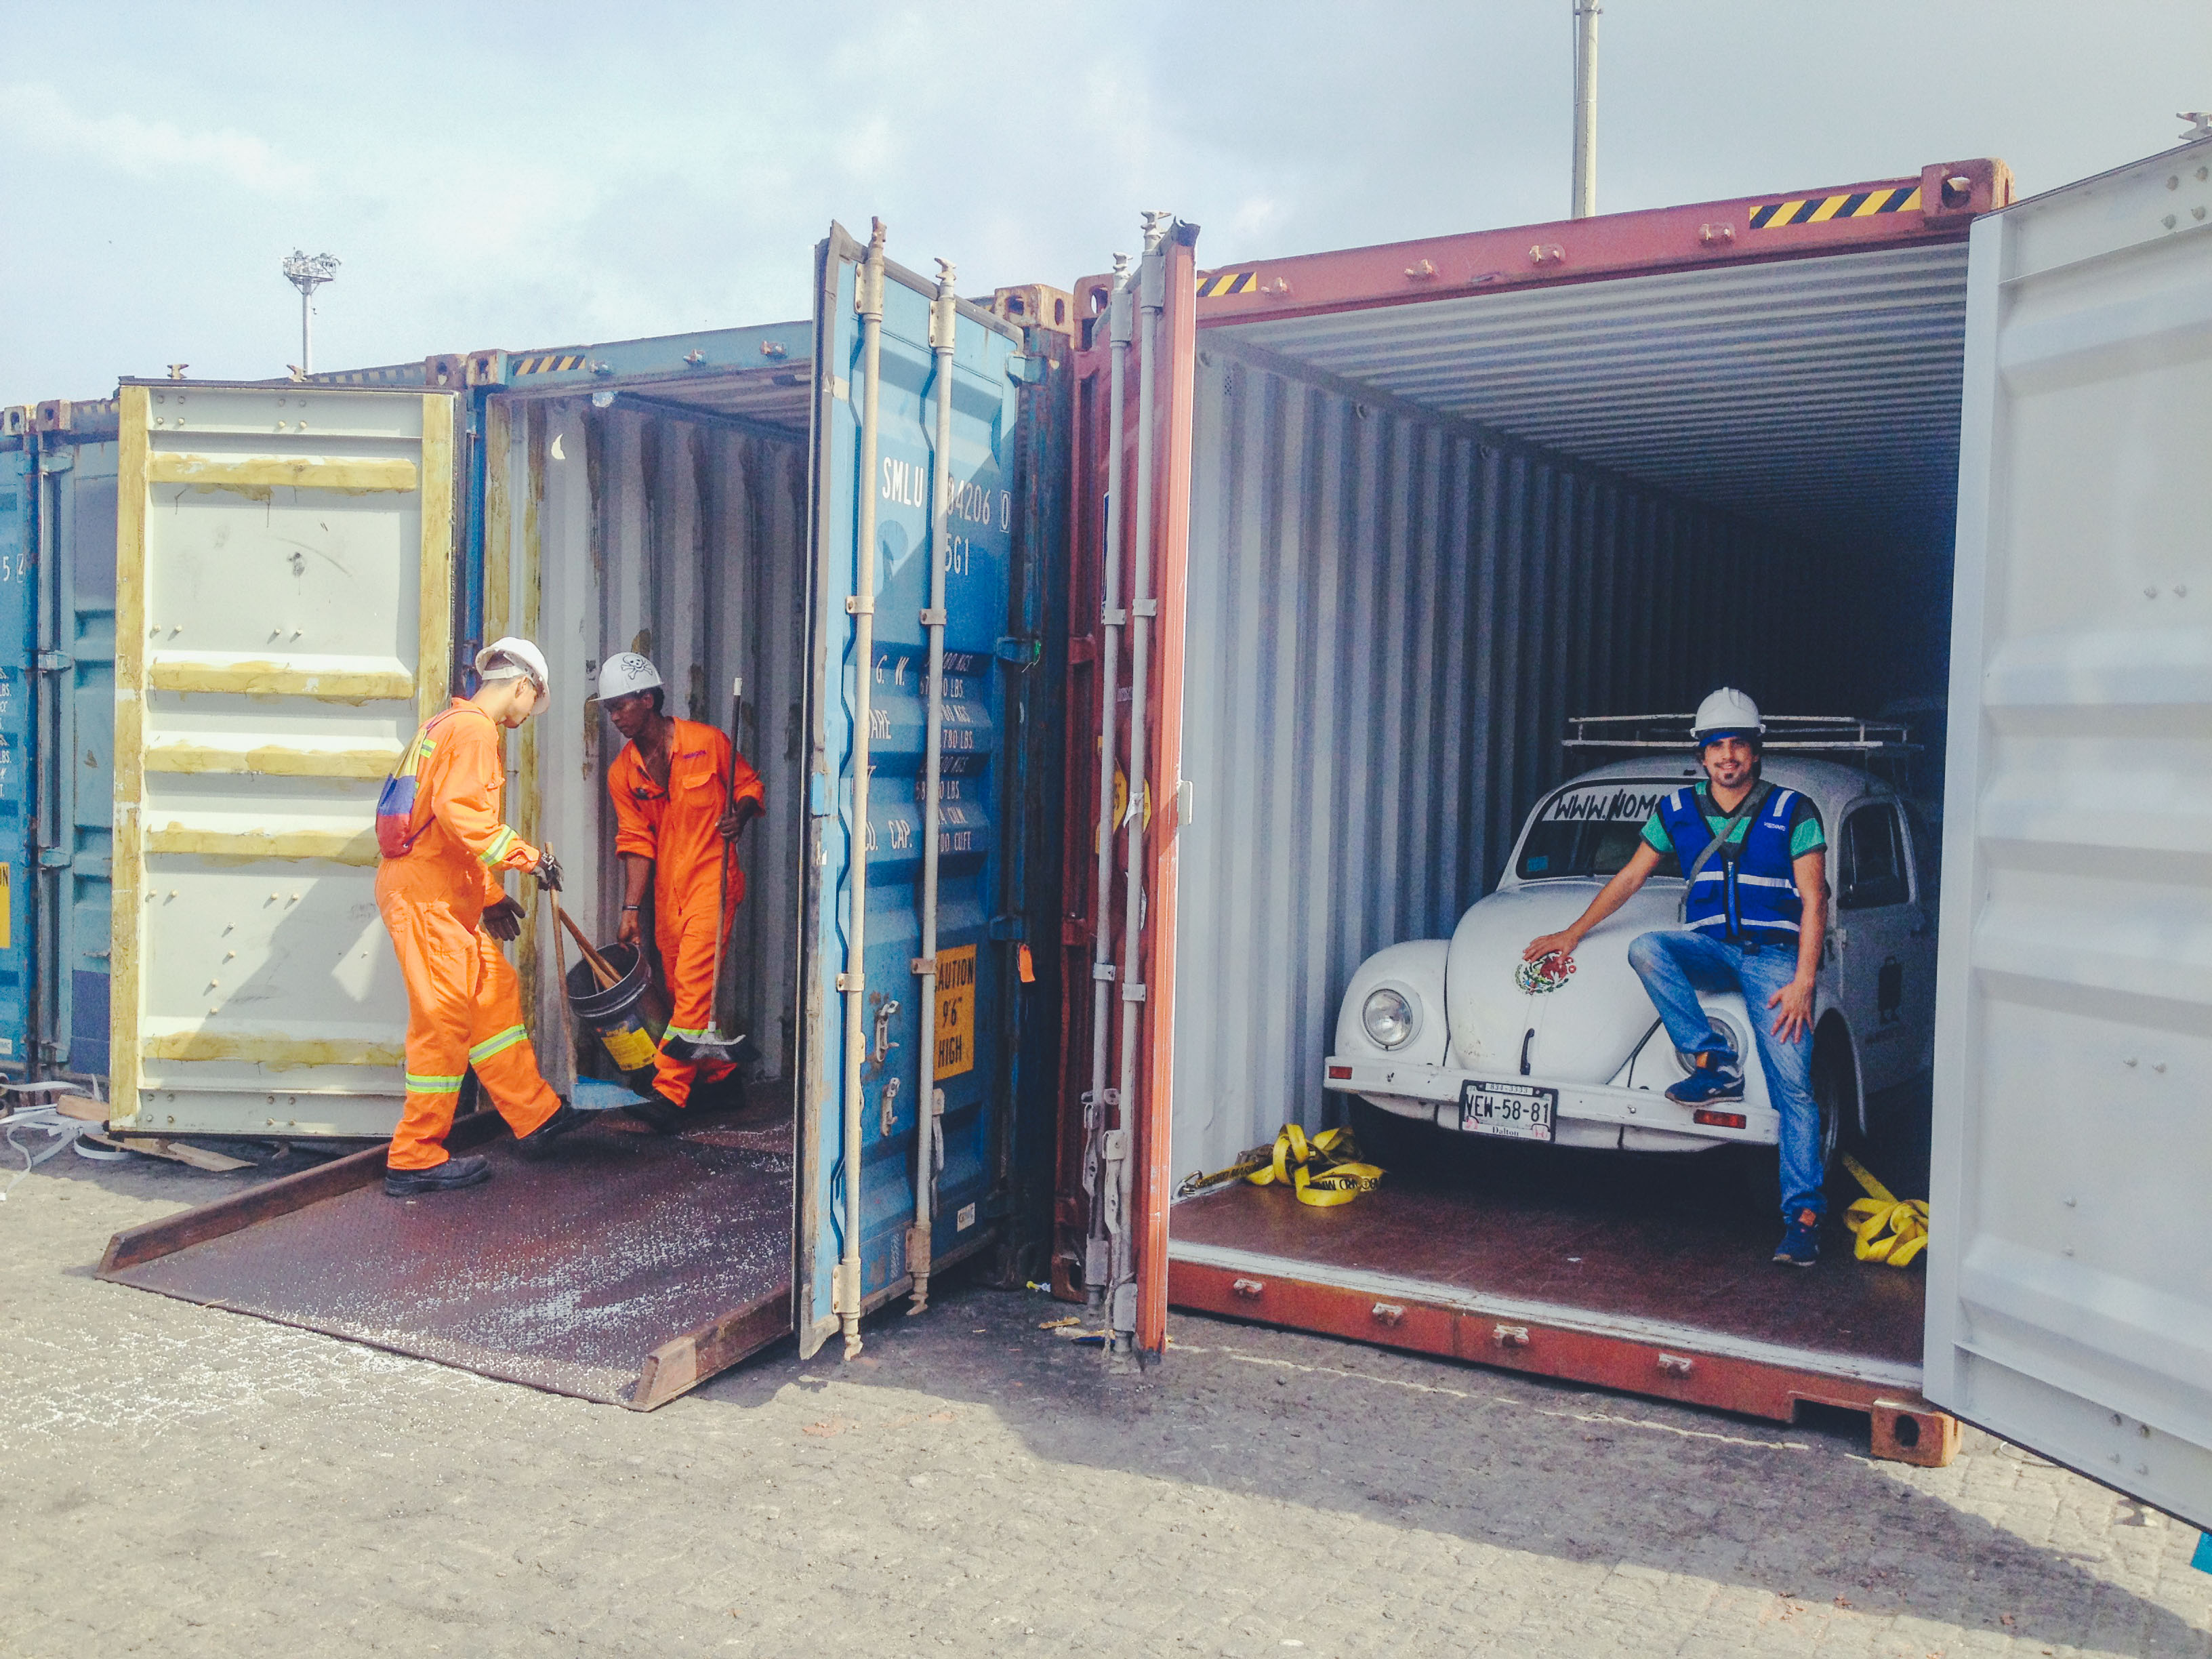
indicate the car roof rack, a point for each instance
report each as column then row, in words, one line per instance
column 1790, row 734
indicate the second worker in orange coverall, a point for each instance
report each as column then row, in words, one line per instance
column 439, row 888
column 682, row 793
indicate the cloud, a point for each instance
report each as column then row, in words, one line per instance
column 39, row 117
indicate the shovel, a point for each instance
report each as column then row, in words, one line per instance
column 713, row 1045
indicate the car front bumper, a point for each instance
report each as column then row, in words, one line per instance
column 1600, row 1115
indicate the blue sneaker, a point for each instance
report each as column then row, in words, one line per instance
column 1801, row 1241
column 1722, row 1080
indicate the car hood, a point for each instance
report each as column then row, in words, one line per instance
column 1582, row 1032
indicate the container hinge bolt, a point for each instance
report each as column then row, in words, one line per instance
column 1146, row 608
column 1675, row 1364
column 1020, row 649
column 1114, row 1146
column 933, row 618
column 1387, row 1313
column 924, row 967
column 1248, row 1286
column 1132, row 993
column 857, row 606
column 1113, row 618
column 56, row 858
column 55, row 662
column 693, row 358
column 603, row 369
column 56, row 460
column 848, row 983
column 1102, row 970
column 1511, row 1336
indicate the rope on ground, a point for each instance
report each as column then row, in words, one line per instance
column 1324, row 1171
column 1888, row 1228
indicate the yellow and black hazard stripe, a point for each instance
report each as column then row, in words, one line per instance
column 1849, row 204
column 547, row 362
column 1219, row 283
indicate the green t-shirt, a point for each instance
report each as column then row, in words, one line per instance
column 1806, row 835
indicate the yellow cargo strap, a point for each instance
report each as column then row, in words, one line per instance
column 1905, row 1221
column 1324, row 1171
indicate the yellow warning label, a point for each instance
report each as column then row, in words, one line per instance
column 1845, row 204
column 956, row 1011
column 631, row 1047
column 1219, row 283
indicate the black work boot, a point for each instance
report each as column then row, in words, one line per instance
column 656, row 1111
column 439, row 1178
column 539, row 1141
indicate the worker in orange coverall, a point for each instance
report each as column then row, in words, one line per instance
column 676, row 814
column 439, row 888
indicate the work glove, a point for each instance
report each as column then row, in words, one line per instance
column 503, row 921
column 548, row 872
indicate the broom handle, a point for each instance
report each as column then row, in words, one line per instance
column 606, row 976
column 560, row 955
column 729, row 852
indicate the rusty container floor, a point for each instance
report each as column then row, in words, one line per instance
column 1654, row 1249
column 568, row 1275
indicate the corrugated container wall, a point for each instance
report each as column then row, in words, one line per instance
column 617, row 529
column 1407, row 609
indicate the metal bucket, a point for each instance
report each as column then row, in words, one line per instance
column 624, row 1013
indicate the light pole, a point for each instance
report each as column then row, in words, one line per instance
column 308, row 273
column 1585, row 198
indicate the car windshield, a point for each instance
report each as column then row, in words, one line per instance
column 1592, row 829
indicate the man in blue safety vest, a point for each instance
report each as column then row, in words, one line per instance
column 1754, row 859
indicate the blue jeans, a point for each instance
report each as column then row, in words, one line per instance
column 1675, row 966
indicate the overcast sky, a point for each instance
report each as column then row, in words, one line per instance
column 564, row 173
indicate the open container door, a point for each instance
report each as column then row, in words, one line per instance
column 284, row 565
column 1130, row 512
column 2068, row 1305
column 916, row 401
column 18, row 676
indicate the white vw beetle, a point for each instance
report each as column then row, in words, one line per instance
column 1442, row 1031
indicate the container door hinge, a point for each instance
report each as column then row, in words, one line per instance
column 56, row 858
column 1025, row 368
column 1020, row 649
column 1008, row 930
column 56, row 460
column 55, row 662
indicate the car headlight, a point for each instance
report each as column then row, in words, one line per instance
column 1388, row 1017
column 1731, row 1032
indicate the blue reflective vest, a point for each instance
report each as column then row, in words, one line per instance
column 1748, row 893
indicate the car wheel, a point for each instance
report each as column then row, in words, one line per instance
column 1396, row 1143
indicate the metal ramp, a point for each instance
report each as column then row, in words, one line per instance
column 625, row 1268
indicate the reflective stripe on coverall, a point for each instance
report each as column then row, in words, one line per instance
column 464, row 1002
column 675, row 827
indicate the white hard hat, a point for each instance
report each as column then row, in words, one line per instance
column 1726, row 712
column 625, row 672
column 511, row 658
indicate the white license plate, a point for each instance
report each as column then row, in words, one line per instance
column 1516, row 1110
